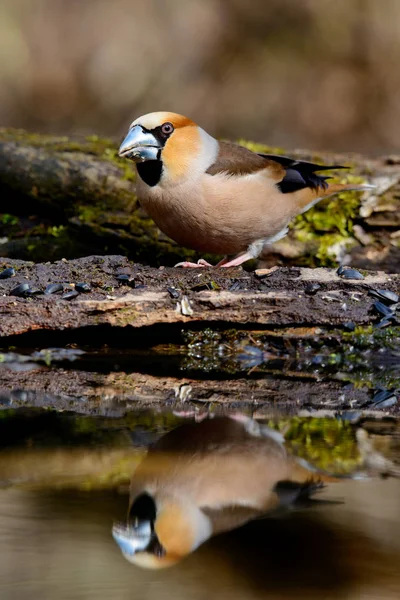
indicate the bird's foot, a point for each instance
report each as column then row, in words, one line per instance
column 225, row 262
column 200, row 263
column 192, row 414
column 191, row 265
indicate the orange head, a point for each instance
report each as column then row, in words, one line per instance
column 160, row 533
column 168, row 148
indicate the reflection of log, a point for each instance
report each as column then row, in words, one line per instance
column 83, row 200
column 278, row 300
column 113, row 394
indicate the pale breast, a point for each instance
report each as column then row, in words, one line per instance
column 218, row 213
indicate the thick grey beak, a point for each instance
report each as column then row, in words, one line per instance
column 132, row 538
column 140, row 145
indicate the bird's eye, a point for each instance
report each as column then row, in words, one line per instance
column 167, row 128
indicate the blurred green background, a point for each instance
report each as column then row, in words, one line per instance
column 292, row 73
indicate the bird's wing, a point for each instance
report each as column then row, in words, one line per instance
column 300, row 174
column 289, row 174
column 233, row 159
column 230, row 517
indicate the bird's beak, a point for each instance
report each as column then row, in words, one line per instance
column 132, row 538
column 140, row 145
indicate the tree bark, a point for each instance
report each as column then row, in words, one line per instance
column 68, row 198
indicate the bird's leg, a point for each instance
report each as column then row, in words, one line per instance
column 238, row 260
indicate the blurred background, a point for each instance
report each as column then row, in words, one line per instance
column 305, row 73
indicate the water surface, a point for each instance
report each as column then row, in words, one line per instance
column 64, row 482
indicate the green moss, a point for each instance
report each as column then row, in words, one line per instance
column 111, row 153
column 6, row 219
column 328, row 444
column 329, row 224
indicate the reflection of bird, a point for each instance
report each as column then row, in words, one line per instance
column 202, row 479
column 215, row 196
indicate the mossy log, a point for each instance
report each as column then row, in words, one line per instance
column 279, row 298
column 69, row 198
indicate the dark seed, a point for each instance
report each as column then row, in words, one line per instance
column 312, row 288
column 385, row 322
column 387, row 403
column 382, row 309
column 173, row 292
column 340, row 270
column 385, row 296
column 236, row 285
column 70, row 295
column 351, row 274
column 383, row 399
column 139, row 287
column 7, row 273
column 126, row 280
column 350, row 326
column 83, row 287
column 53, row 288
column 34, row 292
column 382, row 395
column 20, row 290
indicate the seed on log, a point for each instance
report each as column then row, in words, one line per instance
column 236, row 285
column 126, row 280
column 20, row 290
column 70, row 295
column 349, row 326
column 83, row 287
column 186, row 309
column 340, row 270
column 173, row 292
column 7, row 273
column 385, row 296
column 385, row 322
column 384, row 399
column 351, row 274
column 34, row 292
column 312, row 288
column 382, row 309
column 53, row 288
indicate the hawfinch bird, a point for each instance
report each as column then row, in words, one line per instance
column 205, row 478
column 218, row 197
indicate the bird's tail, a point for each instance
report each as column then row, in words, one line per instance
column 335, row 188
column 308, row 197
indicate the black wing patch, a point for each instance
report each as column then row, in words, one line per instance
column 301, row 174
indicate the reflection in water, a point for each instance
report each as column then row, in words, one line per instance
column 57, row 544
column 201, row 479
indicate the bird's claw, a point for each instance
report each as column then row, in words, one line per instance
column 200, row 264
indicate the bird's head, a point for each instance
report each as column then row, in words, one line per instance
column 160, row 533
column 168, row 148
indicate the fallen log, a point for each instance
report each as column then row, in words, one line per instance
column 68, row 198
column 228, row 297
